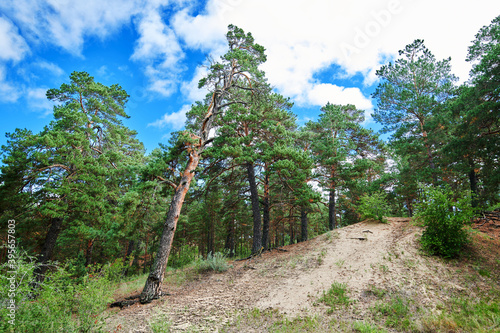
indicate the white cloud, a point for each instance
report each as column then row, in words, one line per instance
column 157, row 42
column 175, row 120
column 202, row 32
column 51, row 67
column 8, row 92
column 306, row 37
column 159, row 49
column 12, row 45
column 66, row 23
column 37, row 100
column 302, row 38
column 320, row 94
column 190, row 88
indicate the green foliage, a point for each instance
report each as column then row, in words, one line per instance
column 374, row 206
column 396, row 311
column 338, row 137
column 476, row 116
column 336, row 296
column 477, row 316
column 444, row 218
column 377, row 292
column 76, row 168
column 362, row 327
column 411, row 96
column 186, row 255
column 214, row 262
column 61, row 305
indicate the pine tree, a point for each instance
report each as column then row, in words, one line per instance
column 413, row 91
column 76, row 168
column 473, row 149
column 342, row 149
column 237, row 73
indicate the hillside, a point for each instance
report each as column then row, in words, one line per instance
column 382, row 283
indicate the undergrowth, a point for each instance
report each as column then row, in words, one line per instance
column 64, row 302
column 214, row 262
column 336, row 296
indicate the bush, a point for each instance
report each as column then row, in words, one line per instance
column 62, row 303
column 216, row 262
column 444, row 219
column 374, row 206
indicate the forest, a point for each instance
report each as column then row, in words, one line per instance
column 242, row 177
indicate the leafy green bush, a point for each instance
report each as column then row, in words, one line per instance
column 62, row 304
column 216, row 262
column 444, row 219
column 374, row 206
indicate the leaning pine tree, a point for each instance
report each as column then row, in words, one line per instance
column 237, row 69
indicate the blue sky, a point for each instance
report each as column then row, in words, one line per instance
column 318, row 51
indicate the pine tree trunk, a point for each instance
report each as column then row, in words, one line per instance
column 429, row 155
column 473, row 184
column 409, row 207
column 266, row 215
column 128, row 256
column 47, row 249
column 332, row 224
column 254, row 195
column 153, row 283
column 135, row 262
column 130, row 248
column 88, row 255
column 230, row 246
column 303, row 224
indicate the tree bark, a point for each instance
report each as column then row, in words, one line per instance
column 88, row 254
column 132, row 245
column 47, row 249
column 152, row 288
column 409, row 207
column 266, row 214
column 254, row 196
column 209, row 226
column 429, row 155
column 230, row 246
column 332, row 223
column 473, row 184
column 130, row 248
column 303, row 224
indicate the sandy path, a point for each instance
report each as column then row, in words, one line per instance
column 344, row 259
column 289, row 281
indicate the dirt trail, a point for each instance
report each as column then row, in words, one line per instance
column 345, row 259
column 292, row 281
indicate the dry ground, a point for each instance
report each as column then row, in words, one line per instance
column 279, row 291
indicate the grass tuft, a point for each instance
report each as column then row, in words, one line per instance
column 336, row 296
column 215, row 262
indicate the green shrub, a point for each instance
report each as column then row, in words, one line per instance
column 444, row 218
column 216, row 262
column 62, row 303
column 374, row 206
